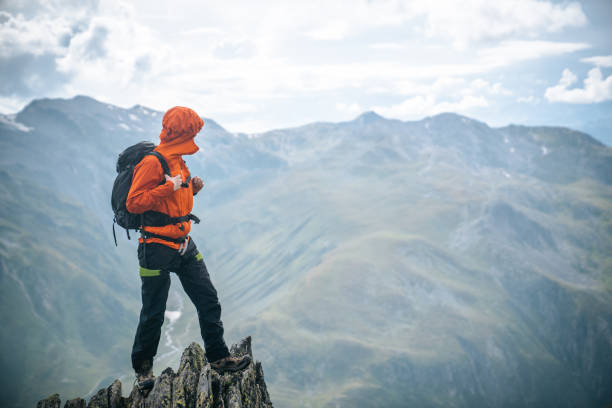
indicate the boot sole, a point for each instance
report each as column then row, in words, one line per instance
column 145, row 386
column 242, row 366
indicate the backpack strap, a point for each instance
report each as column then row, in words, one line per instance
column 162, row 161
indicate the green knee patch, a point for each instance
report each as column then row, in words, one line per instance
column 199, row 256
column 144, row 272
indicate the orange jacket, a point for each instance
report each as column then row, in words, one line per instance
column 180, row 125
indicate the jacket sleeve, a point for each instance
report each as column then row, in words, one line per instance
column 145, row 191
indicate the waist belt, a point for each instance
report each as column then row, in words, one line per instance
column 146, row 235
column 158, row 219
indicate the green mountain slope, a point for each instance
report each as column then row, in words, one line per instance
column 450, row 265
column 66, row 311
column 447, row 300
column 377, row 262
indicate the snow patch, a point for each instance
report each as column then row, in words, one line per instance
column 512, row 150
column 544, row 150
column 172, row 315
column 427, row 125
column 134, row 117
column 506, row 174
column 10, row 120
column 506, row 141
column 124, row 126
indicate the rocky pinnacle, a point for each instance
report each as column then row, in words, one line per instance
column 195, row 384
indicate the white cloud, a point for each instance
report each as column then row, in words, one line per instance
column 463, row 23
column 419, row 106
column 203, row 31
column 127, row 55
column 493, row 89
column 446, row 94
column 600, row 61
column 40, row 35
column 509, row 52
column 335, row 30
column 596, row 89
column 239, row 59
column 527, row 99
column 386, row 46
column 349, row 108
column 10, row 104
column 466, row 22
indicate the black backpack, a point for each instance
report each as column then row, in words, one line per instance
column 126, row 162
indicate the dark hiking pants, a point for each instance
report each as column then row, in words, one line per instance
column 155, row 276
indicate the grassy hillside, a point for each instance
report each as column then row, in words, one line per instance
column 67, row 311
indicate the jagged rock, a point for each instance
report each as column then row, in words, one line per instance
column 195, row 385
column 52, row 401
column 244, row 389
column 115, row 400
column 76, row 403
column 186, row 382
column 99, row 400
column 261, row 383
column 161, row 394
column 106, row 397
column 204, row 393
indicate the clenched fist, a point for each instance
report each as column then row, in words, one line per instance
column 197, row 184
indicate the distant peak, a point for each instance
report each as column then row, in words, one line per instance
column 454, row 117
column 369, row 117
column 79, row 101
column 211, row 124
column 449, row 115
column 80, row 98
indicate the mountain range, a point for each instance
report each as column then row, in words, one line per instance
column 376, row 262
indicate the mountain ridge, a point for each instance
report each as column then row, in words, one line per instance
column 363, row 257
column 367, row 116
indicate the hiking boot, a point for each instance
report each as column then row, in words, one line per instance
column 231, row 364
column 144, row 377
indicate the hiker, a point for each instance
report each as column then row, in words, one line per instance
column 169, row 248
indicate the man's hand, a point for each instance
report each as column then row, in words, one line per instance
column 197, row 184
column 176, row 180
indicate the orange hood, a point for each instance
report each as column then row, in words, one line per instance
column 180, row 125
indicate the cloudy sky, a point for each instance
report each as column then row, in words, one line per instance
column 255, row 66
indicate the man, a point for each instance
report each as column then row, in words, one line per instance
column 168, row 248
